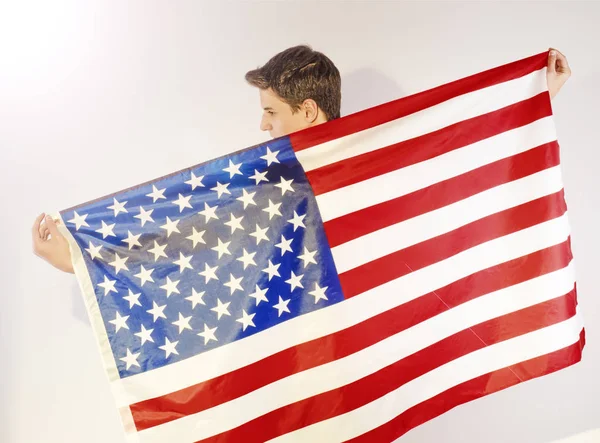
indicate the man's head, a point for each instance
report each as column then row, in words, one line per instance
column 299, row 88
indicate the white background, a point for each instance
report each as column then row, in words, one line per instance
column 99, row 96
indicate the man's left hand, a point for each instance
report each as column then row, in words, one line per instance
column 558, row 71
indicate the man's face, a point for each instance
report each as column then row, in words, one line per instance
column 278, row 117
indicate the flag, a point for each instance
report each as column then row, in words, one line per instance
column 345, row 283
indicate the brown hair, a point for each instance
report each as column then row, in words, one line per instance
column 300, row 73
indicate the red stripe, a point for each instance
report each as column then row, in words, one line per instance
column 356, row 224
column 227, row 387
column 397, row 264
column 408, row 105
column 354, row 395
column 508, row 274
column 473, row 389
column 409, row 152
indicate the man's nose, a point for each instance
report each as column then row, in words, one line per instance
column 265, row 125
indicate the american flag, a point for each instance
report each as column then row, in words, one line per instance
column 344, row 283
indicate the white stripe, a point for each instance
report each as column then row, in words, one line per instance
column 436, row 117
column 410, row 232
column 403, row 181
column 468, row 367
column 89, row 298
column 339, row 316
column 91, row 303
column 346, row 370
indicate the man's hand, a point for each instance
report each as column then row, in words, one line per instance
column 50, row 244
column 558, row 71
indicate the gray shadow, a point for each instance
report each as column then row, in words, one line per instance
column 77, row 305
column 365, row 88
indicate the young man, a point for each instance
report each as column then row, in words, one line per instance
column 298, row 88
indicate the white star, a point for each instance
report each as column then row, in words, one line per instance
column 221, row 189
column 144, row 275
column 259, row 177
column 106, row 230
column 247, row 258
column 272, row 270
column 234, row 284
column 235, row 223
column 297, row 221
column 183, row 262
column 247, row 198
column 94, row 251
column 170, row 287
column 157, row 311
column 260, row 234
column 222, row 248
column 119, row 263
column 273, row 209
column 285, row 245
column 294, row 281
column 194, row 182
column 233, row 169
column 319, row 293
column 158, row 250
column 208, row 334
column 282, row 306
column 221, row 309
column 133, row 299
column 131, row 359
column 183, row 202
column 156, row 194
column 196, row 237
column 120, row 322
column 196, row 298
column 285, row 185
column 132, row 240
column 209, row 273
column 169, row 347
column 145, row 216
column 260, row 295
column 170, row 226
column 145, row 335
column 308, row 257
column 270, row 157
column 108, row 285
column 79, row 220
column 118, row 207
column 209, row 212
column 246, row 320
column 183, row 323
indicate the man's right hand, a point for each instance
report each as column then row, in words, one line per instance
column 50, row 244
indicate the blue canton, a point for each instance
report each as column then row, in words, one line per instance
column 205, row 257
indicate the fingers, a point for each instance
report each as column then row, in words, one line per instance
column 552, row 61
column 51, row 224
column 35, row 229
column 557, row 62
column 45, row 233
column 562, row 64
column 42, row 228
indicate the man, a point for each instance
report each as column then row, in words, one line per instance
column 298, row 88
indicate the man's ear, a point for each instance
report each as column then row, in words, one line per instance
column 310, row 110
